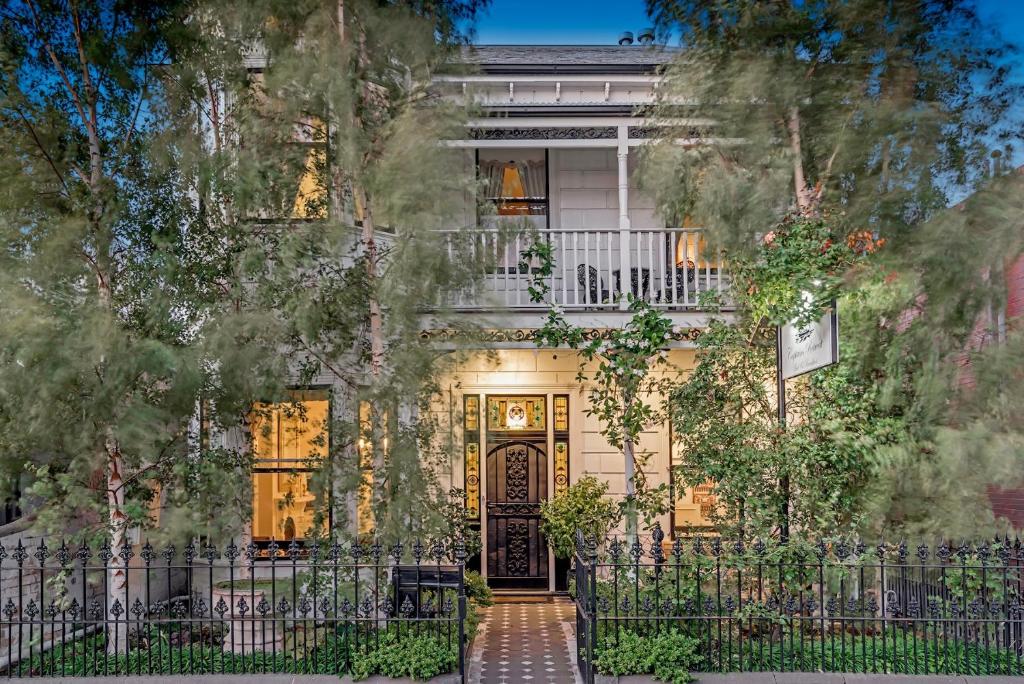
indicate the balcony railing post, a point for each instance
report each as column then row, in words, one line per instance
column 624, row 227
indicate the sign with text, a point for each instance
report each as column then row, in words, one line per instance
column 809, row 347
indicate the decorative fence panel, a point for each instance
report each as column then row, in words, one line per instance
column 318, row 608
column 838, row 605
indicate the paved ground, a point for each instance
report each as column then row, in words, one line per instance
column 525, row 642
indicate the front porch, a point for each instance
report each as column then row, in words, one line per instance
column 524, row 435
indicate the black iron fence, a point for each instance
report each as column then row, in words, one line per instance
column 326, row 608
column 838, row 605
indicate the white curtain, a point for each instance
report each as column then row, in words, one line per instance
column 531, row 173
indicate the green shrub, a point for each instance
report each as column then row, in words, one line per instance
column 477, row 589
column 900, row 653
column 583, row 506
column 669, row 655
column 418, row 657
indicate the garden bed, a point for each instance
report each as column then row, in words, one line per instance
column 196, row 651
column 672, row 656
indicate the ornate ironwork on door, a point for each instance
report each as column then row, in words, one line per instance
column 517, row 481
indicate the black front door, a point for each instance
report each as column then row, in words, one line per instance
column 517, row 481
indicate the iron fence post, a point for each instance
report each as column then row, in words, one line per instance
column 591, row 642
column 460, row 558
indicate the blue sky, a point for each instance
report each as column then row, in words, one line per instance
column 601, row 21
column 571, row 22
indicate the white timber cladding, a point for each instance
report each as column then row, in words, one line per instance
column 595, row 190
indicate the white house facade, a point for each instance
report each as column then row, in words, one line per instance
column 556, row 148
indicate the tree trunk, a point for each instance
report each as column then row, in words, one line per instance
column 239, row 440
column 376, row 319
column 117, row 580
column 631, row 512
column 368, row 238
column 368, row 229
column 804, row 196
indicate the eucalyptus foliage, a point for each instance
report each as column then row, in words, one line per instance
column 92, row 363
column 338, row 269
column 182, row 230
column 848, row 128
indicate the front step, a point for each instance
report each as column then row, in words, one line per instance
column 524, row 596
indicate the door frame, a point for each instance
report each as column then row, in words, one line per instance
column 549, row 429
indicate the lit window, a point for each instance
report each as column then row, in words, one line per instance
column 289, row 440
column 516, row 181
column 298, row 188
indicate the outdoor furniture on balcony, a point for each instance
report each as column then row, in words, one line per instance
column 635, row 288
column 592, row 286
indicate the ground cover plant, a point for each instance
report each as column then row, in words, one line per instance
column 673, row 654
column 418, row 652
column 669, row 656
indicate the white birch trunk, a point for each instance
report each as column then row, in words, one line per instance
column 117, row 570
column 630, row 468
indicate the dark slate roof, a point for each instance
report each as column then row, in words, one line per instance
column 568, row 58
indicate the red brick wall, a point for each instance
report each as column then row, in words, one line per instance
column 1009, row 503
column 1015, row 291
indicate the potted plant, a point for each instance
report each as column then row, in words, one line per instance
column 583, row 506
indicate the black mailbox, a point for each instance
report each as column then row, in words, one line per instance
column 416, row 582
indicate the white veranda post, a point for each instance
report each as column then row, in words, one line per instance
column 622, row 152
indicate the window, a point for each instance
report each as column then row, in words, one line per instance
column 289, row 440
column 11, row 489
column 516, row 181
column 291, row 148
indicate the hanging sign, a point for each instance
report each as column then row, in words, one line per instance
column 805, row 348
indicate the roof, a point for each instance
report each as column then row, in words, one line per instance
column 568, row 58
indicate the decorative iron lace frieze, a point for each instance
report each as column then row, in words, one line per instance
column 545, row 133
column 530, row 335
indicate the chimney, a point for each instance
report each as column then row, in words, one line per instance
column 646, row 37
column 626, row 38
column 997, row 163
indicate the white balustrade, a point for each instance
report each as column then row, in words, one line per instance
column 669, row 268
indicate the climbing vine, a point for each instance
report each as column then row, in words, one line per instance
column 627, row 374
column 725, row 414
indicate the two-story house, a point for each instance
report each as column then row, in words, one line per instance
column 556, row 149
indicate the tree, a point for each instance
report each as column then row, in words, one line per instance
column 627, row 374
column 342, row 157
column 852, row 123
column 725, row 413
column 97, row 377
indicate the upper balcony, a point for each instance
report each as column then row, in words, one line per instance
column 672, row 269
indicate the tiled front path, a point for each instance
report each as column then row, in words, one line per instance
column 529, row 642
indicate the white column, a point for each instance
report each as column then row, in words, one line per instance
column 625, row 278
